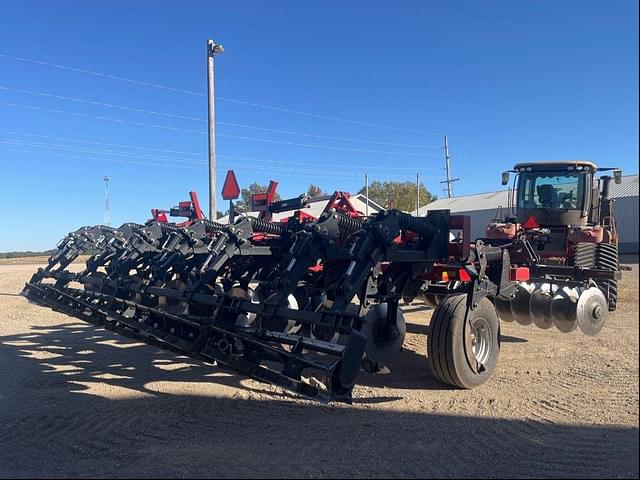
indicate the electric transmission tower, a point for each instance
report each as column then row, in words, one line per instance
column 447, row 159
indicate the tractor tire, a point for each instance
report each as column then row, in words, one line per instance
column 463, row 354
column 607, row 259
column 585, row 255
column 603, row 256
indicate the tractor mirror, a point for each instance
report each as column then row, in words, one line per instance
column 617, row 176
column 505, row 178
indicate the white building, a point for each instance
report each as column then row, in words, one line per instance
column 482, row 208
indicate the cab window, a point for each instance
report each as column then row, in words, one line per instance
column 539, row 190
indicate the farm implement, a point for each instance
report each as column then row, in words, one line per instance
column 304, row 303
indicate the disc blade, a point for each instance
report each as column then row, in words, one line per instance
column 383, row 341
column 591, row 311
column 176, row 307
column 520, row 305
column 539, row 306
column 292, row 303
column 503, row 309
column 563, row 310
column 244, row 319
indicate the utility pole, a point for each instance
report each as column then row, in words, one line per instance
column 449, row 180
column 212, row 49
column 366, row 194
column 107, row 218
column 417, row 194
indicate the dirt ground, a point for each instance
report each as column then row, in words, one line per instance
column 79, row 401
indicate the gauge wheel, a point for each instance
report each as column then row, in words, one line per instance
column 463, row 352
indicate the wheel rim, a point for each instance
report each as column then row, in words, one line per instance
column 481, row 340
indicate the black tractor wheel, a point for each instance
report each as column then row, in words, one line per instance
column 603, row 256
column 463, row 352
column 585, row 255
column 607, row 259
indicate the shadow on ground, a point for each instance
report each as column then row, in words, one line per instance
column 76, row 400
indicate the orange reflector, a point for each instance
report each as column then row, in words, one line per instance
column 458, row 274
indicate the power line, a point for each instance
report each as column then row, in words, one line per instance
column 82, row 149
column 227, row 99
column 325, row 137
column 100, row 74
column 99, row 117
column 131, row 162
column 201, row 119
column 250, row 168
column 135, row 147
column 101, row 104
column 327, row 147
column 333, row 165
column 327, row 117
column 178, row 154
column 145, row 156
column 201, row 132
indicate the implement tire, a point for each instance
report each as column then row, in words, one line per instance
column 463, row 354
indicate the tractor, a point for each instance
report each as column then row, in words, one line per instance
column 565, row 214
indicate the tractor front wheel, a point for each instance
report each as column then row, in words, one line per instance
column 463, row 352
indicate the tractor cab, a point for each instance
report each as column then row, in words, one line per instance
column 556, row 205
column 554, row 193
column 560, row 193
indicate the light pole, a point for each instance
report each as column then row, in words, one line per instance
column 213, row 48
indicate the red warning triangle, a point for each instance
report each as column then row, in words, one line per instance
column 531, row 223
column 230, row 189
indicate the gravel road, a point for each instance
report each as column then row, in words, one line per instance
column 79, row 401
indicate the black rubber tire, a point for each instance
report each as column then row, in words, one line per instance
column 602, row 256
column 606, row 258
column 585, row 255
column 446, row 346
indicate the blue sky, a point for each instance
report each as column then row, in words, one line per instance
column 506, row 81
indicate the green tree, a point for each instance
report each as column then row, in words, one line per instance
column 314, row 191
column 244, row 203
column 400, row 195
